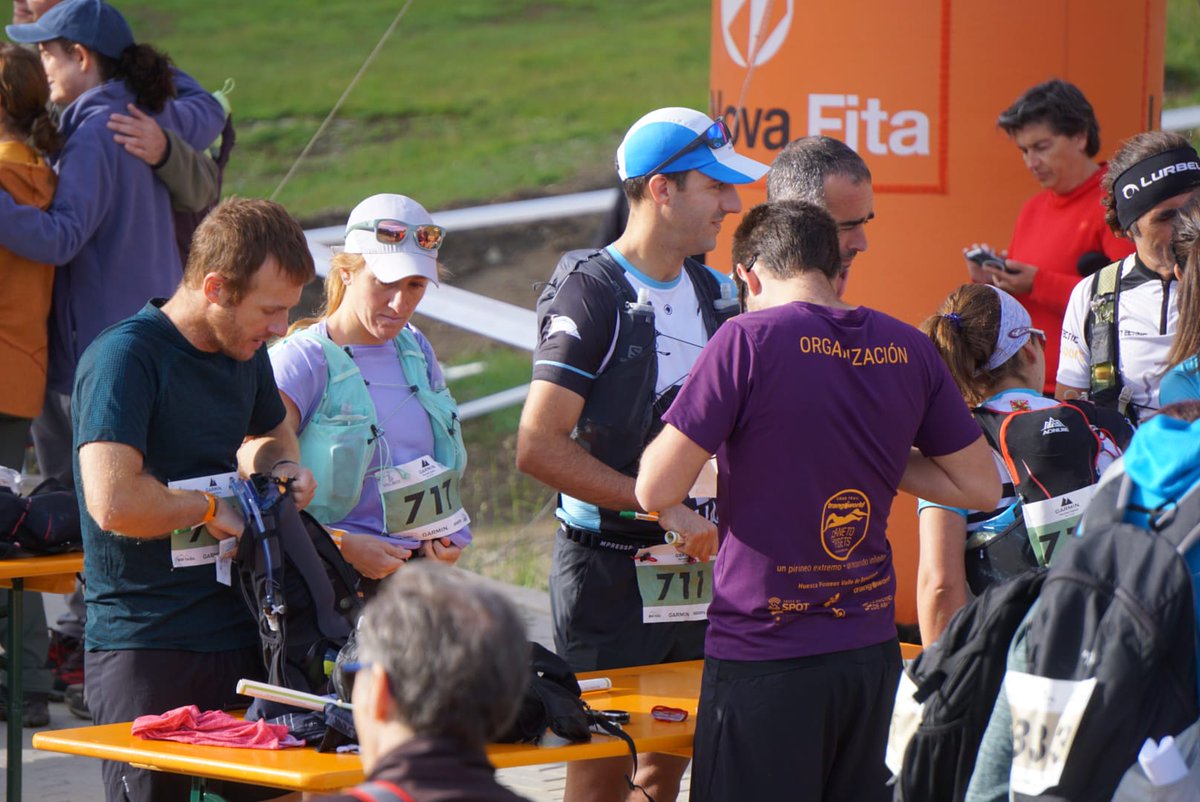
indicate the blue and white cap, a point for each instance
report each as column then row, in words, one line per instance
column 656, row 136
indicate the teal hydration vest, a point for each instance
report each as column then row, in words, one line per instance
column 338, row 443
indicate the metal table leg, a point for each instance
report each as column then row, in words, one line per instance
column 200, row 792
column 16, row 695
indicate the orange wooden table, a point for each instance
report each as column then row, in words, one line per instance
column 634, row 689
column 51, row 574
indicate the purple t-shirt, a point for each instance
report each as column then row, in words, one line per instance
column 811, row 412
column 301, row 373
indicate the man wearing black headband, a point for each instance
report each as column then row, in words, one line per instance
column 1120, row 321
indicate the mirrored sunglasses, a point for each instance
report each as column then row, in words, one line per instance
column 426, row 236
column 715, row 136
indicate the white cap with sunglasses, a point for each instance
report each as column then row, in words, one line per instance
column 396, row 237
column 675, row 139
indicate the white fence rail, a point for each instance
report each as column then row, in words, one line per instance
column 514, row 325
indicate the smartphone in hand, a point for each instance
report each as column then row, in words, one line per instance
column 985, row 258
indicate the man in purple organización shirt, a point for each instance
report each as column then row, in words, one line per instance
column 813, row 408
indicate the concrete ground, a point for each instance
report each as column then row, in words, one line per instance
column 51, row 777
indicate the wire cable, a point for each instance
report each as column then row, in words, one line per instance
column 341, row 100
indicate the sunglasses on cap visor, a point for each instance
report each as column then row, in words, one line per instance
column 1032, row 332
column 715, row 136
column 427, row 236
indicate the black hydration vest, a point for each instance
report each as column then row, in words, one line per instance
column 1048, row 453
column 620, row 416
column 1105, row 386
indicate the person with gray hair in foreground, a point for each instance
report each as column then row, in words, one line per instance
column 443, row 667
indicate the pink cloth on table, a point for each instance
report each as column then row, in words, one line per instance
column 212, row 728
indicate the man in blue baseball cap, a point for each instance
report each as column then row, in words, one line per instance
column 619, row 330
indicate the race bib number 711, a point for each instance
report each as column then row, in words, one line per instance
column 421, row 500
column 674, row 587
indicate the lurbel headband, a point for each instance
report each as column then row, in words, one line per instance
column 1152, row 181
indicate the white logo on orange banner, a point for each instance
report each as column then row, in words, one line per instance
column 762, row 40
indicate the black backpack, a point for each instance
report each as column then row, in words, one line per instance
column 957, row 680
column 298, row 587
column 1117, row 608
column 552, row 701
column 44, row 522
column 1050, row 455
column 187, row 222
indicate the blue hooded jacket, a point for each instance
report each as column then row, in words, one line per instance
column 110, row 227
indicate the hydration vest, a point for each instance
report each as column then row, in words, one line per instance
column 338, row 443
column 621, row 414
column 1050, row 455
column 618, row 418
column 1105, row 386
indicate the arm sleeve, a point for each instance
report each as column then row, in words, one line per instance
column 189, row 174
column 1074, row 359
column 87, row 173
column 710, row 403
column 199, row 117
column 578, row 334
column 268, row 410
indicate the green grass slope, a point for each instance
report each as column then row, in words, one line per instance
column 469, row 100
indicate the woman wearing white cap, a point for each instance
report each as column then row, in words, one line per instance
column 361, row 385
column 998, row 361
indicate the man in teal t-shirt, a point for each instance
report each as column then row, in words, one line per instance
column 167, row 403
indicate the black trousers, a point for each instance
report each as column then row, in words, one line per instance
column 596, row 608
column 811, row 728
column 122, row 685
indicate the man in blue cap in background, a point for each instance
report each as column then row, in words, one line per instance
column 619, row 331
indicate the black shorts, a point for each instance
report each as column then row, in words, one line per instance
column 812, row 728
column 596, row 608
column 122, row 685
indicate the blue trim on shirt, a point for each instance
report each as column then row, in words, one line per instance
column 922, row 504
column 579, row 514
column 639, row 275
column 564, row 366
column 1012, row 391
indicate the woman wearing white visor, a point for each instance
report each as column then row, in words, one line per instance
column 366, row 396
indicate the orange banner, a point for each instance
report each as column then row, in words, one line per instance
column 916, row 88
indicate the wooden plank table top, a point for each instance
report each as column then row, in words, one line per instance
column 53, row 573
column 636, row 690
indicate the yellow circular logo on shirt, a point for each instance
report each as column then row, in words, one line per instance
column 844, row 522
